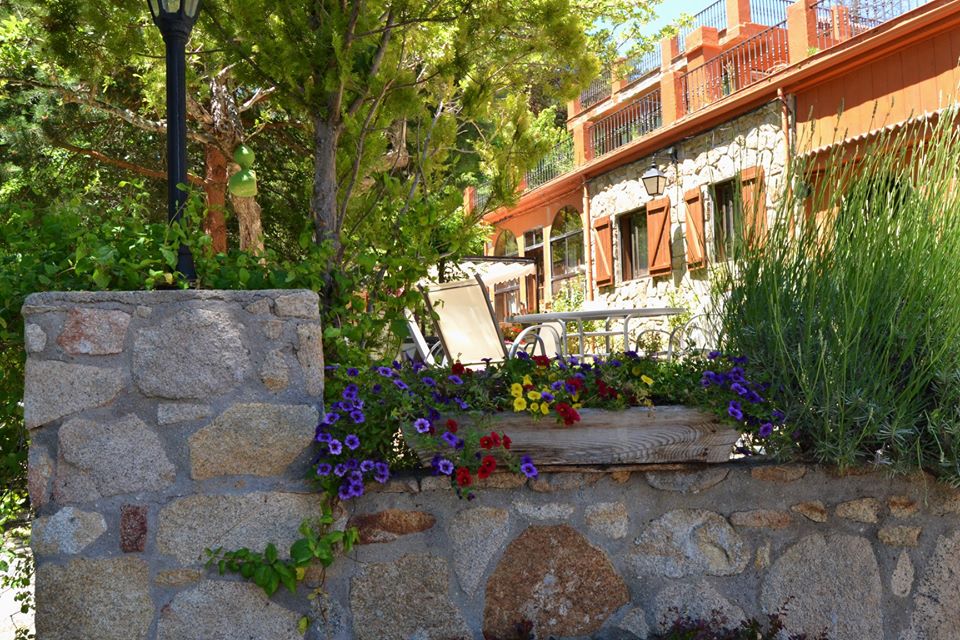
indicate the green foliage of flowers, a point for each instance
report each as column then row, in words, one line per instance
column 850, row 306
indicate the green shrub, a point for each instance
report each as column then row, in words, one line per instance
column 853, row 314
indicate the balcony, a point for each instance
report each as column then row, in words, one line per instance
column 840, row 20
column 598, row 91
column 634, row 121
column 557, row 162
column 713, row 16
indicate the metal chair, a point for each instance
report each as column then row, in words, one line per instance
column 699, row 334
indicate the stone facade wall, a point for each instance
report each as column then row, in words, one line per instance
column 164, row 423
column 755, row 139
column 171, row 422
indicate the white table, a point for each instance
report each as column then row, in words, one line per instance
column 607, row 315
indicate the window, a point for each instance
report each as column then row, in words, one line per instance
column 506, row 295
column 533, row 239
column 633, row 245
column 727, row 218
column 506, row 245
column 566, row 247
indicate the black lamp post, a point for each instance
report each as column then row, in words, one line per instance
column 176, row 18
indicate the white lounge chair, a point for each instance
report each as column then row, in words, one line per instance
column 466, row 325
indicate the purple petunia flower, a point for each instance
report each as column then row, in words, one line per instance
column 734, row 410
column 430, row 382
column 739, row 359
column 765, row 430
column 704, row 382
column 366, row 466
column 713, row 355
column 779, row 415
column 386, row 372
column 754, row 397
column 444, row 466
column 377, row 388
column 396, row 365
column 350, row 392
column 422, row 425
column 527, row 467
column 353, row 372
column 616, row 363
column 455, row 379
column 330, row 418
column 571, row 389
column 335, row 447
column 356, row 476
column 523, row 355
column 633, row 355
column 381, row 472
column 400, row 384
column 546, row 395
column 460, row 403
column 352, row 464
column 357, row 417
column 450, row 439
column 340, row 470
column 556, row 386
column 739, row 389
column 331, row 367
column 356, row 489
column 344, row 492
column 324, row 469
column 323, row 436
column 352, row 441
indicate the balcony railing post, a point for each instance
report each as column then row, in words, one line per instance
column 668, row 51
column 801, row 29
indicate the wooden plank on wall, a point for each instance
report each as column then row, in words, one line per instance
column 633, row 436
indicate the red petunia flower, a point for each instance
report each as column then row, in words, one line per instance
column 457, row 369
column 542, row 361
column 452, row 425
column 463, row 477
column 486, row 442
column 495, row 438
column 506, row 441
column 487, row 466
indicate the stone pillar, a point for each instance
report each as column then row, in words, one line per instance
column 801, row 29
column 164, row 423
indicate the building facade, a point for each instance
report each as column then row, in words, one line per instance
column 720, row 110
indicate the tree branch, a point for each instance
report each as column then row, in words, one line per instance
column 259, row 96
column 122, row 164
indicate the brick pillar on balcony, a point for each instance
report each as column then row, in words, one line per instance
column 573, row 107
column 670, row 97
column 801, row 29
column 582, row 149
column 738, row 15
column 703, row 43
column 468, row 199
column 668, row 51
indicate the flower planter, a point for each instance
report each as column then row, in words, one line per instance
column 637, row 435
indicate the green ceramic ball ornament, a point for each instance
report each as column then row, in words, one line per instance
column 243, row 183
column 244, row 156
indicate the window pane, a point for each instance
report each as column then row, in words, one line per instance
column 639, row 248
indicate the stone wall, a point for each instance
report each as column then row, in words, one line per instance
column 166, row 423
column 163, row 423
column 754, row 139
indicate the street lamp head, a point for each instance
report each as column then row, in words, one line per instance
column 654, row 181
column 174, row 15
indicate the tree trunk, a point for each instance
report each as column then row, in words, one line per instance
column 323, row 202
column 215, row 187
column 248, row 216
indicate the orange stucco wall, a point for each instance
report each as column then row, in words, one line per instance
column 911, row 81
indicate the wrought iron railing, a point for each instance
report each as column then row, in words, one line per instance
column 637, row 119
column 713, row 16
column 840, row 20
column 642, row 65
column 481, row 196
column 598, row 91
column 557, row 162
column 769, row 12
column 750, row 61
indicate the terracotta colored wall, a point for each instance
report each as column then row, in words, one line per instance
column 917, row 79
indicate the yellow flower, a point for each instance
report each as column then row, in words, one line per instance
column 527, row 380
column 534, row 407
column 545, row 408
column 577, row 405
column 647, row 379
column 519, row 404
column 533, row 395
column 636, row 370
column 516, row 390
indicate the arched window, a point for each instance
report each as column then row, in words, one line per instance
column 566, row 249
column 506, row 245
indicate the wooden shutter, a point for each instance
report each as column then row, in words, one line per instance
column 754, row 205
column 696, row 240
column 603, row 257
column 658, row 236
